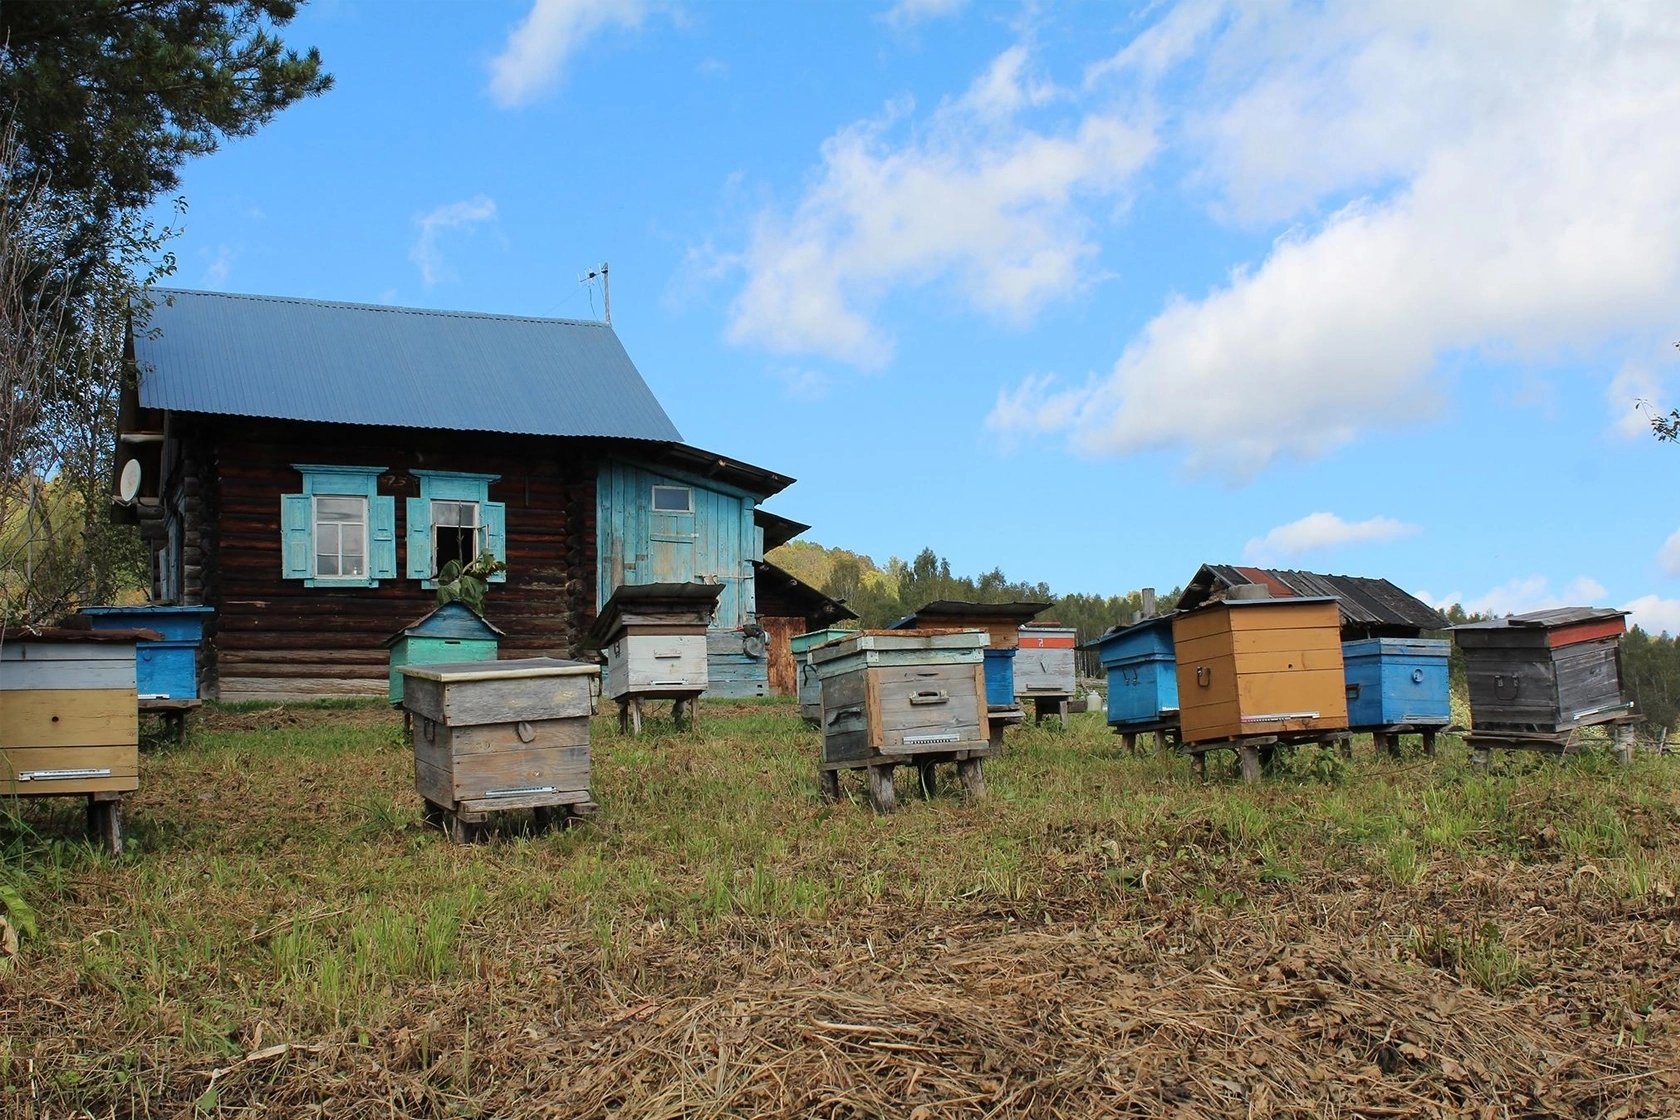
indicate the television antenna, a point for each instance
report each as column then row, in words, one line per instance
column 606, row 287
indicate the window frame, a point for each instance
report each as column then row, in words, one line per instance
column 653, row 500
column 379, row 548
column 364, row 524
column 463, row 487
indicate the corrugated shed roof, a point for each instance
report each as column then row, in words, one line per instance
column 1557, row 616
column 352, row 363
column 1364, row 602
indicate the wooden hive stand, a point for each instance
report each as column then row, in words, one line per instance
column 1558, row 744
column 1255, row 751
column 1166, row 732
column 894, row 698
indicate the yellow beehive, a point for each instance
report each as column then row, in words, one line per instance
column 1260, row 667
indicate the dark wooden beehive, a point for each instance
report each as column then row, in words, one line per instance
column 1545, row 672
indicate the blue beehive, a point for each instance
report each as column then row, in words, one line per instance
column 1000, row 678
column 1142, row 673
column 166, row 669
column 1397, row 681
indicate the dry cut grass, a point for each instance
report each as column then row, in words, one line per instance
column 1101, row 937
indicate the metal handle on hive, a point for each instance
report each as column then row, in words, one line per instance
column 929, row 696
column 1204, row 675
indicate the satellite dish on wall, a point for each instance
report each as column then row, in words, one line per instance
column 128, row 484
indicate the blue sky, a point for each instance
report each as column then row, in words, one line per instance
column 1092, row 293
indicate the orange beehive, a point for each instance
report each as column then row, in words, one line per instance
column 1260, row 667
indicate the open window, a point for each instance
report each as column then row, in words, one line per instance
column 340, row 532
column 454, row 519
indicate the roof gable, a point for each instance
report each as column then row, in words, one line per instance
column 351, row 363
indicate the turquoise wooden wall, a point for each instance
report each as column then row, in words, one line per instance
column 718, row 542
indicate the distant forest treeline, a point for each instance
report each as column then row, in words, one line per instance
column 882, row 593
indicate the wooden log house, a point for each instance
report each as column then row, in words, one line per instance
column 306, row 469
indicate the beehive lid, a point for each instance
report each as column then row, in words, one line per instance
column 453, row 671
column 959, row 612
column 1122, row 634
column 884, row 640
column 61, row 634
column 646, row 602
column 1561, row 626
column 452, row 620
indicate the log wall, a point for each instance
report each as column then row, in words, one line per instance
column 277, row 638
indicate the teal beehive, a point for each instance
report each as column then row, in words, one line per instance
column 452, row 633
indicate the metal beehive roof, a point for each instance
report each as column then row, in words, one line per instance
column 1547, row 619
column 352, row 363
column 1363, row 601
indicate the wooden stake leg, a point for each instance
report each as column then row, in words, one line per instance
column 1429, row 744
column 828, row 784
column 623, row 715
column 881, row 797
column 1128, row 742
column 636, row 714
column 104, row 820
column 1198, row 765
column 971, row 772
column 1250, row 764
column 927, row 775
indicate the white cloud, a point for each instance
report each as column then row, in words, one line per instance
column 536, row 51
column 1318, row 531
column 1516, row 208
column 802, row 384
column 973, row 196
column 1522, row 595
column 1668, row 557
column 455, row 215
column 908, row 13
column 217, row 271
column 1655, row 615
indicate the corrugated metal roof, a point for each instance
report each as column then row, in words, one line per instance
column 1364, row 602
column 958, row 611
column 352, row 363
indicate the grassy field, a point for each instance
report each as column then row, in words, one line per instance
column 1101, row 936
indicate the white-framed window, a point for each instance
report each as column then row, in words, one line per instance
column 340, row 537
column 340, row 532
column 454, row 519
column 673, row 499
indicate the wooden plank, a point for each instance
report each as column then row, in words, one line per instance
column 233, row 689
column 548, row 734
column 479, row 776
column 16, row 650
column 69, row 718
column 81, row 673
column 431, row 781
column 464, row 703
column 106, row 769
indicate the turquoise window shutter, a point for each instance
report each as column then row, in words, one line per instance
column 295, row 541
column 382, row 537
column 419, row 539
column 495, row 531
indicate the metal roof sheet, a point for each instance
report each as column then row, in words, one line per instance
column 1557, row 616
column 352, row 363
column 1364, row 601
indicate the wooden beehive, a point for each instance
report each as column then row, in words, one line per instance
column 1545, row 672
column 165, row 669
column 1397, row 682
column 654, row 635
column 450, row 634
column 69, row 719
column 1251, row 667
column 810, row 685
column 494, row 735
column 1044, row 663
column 902, row 692
column 1142, row 674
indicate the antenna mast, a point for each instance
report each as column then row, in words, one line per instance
column 606, row 288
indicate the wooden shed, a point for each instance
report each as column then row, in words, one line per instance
column 787, row 608
column 902, row 697
column 1547, row 672
column 1142, row 678
column 1255, row 672
column 450, row 634
column 69, row 720
column 654, row 636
